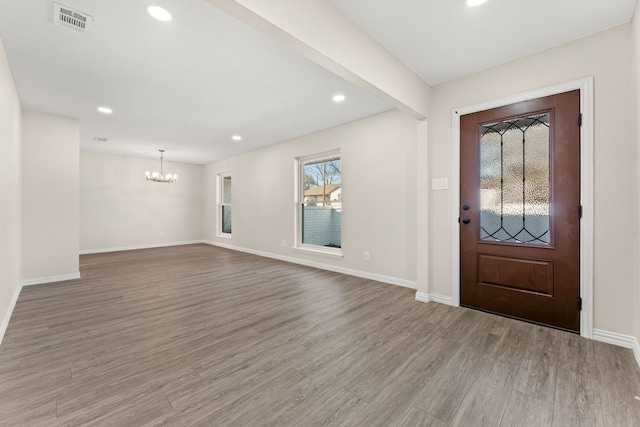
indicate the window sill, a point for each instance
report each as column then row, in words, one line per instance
column 332, row 252
column 225, row 236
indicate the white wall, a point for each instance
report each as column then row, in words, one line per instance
column 50, row 148
column 10, row 199
column 379, row 203
column 606, row 57
column 635, row 81
column 120, row 209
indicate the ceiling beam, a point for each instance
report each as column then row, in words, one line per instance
column 320, row 32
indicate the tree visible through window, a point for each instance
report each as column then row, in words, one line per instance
column 321, row 206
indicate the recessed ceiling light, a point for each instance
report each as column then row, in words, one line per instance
column 105, row 110
column 100, row 139
column 161, row 14
column 236, row 138
column 339, row 97
column 473, row 3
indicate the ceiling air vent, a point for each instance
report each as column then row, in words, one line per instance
column 64, row 16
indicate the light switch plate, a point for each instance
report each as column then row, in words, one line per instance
column 439, row 184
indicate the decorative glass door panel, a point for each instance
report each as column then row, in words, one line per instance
column 514, row 180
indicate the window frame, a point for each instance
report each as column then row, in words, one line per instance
column 221, row 204
column 299, row 201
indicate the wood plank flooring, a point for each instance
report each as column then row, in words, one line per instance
column 199, row 335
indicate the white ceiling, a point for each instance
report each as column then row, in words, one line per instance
column 185, row 86
column 188, row 85
column 443, row 40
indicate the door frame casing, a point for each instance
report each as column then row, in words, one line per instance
column 585, row 85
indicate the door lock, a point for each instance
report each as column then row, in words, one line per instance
column 466, row 220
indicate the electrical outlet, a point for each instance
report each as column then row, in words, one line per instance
column 162, row 234
column 283, row 244
column 367, row 256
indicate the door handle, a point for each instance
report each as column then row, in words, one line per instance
column 466, row 220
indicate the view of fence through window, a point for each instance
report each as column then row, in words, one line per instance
column 322, row 202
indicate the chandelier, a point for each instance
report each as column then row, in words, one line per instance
column 161, row 177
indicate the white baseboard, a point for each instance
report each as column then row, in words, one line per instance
column 30, row 282
column 426, row 297
column 620, row 340
column 135, row 247
column 7, row 315
column 357, row 273
column 50, row 279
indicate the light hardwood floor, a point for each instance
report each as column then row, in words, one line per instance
column 198, row 335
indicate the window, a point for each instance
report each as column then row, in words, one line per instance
column 319, row 204
column 224, row 203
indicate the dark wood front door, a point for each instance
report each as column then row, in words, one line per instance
column 520, row 210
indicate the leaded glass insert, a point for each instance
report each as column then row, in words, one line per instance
column 514, row 180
